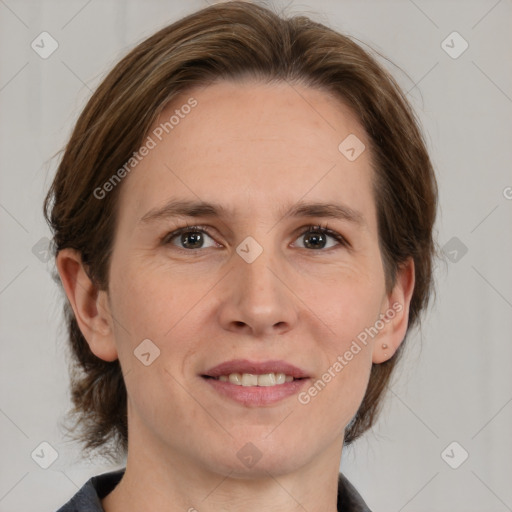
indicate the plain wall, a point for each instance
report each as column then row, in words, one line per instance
column 455, row 383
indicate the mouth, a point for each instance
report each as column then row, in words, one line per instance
column 251, row 379
column 268, row 370
column 245, row 392
column 255, row 384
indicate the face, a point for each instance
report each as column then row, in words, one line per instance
column 249, row 278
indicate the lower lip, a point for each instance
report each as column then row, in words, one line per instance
column 256, row 395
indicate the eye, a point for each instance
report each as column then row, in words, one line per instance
column 189, row 237
column 316, row 237
column 193, row 237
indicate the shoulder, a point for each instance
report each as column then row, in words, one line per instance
column 349, row 499
column 88, row 498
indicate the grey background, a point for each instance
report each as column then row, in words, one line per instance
column 455, row 384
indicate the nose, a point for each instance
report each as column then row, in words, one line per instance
column 256, row 298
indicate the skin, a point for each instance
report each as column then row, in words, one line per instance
column 255, row 148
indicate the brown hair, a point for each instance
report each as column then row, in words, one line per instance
column 229, row 41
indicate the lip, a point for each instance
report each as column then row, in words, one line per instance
column 255, row 367
column 256, row 396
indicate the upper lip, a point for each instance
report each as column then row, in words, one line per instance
column 255, row 367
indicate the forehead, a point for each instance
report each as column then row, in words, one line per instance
column 249, row 146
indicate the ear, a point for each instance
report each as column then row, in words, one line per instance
column 395, row 314
column 90, row 305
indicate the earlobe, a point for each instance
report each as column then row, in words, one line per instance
column 395, row 314
column 90, row 305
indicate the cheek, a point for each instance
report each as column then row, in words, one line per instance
column 153, row 302
column 337, row 393
column 348, row 307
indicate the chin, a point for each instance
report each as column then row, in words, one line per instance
column 260, row 456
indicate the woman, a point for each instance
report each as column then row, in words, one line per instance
column 243, row 229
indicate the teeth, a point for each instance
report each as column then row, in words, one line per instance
column 250, row 379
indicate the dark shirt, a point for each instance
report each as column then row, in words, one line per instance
column 87, row 499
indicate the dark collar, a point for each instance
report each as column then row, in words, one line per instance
column 88, row 498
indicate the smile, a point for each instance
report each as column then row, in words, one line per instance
column 248, row 390
column 250, row 379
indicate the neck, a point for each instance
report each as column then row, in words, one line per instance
column 160, row 478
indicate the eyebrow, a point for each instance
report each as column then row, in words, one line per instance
column 188, row 208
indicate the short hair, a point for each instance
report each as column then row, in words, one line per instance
column 231, row 41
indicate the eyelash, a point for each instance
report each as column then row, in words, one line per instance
column 324, row 229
